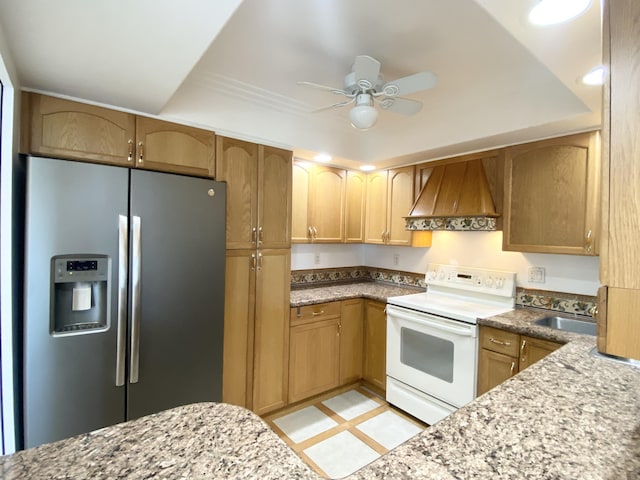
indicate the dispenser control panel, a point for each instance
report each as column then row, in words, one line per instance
column 80, row 269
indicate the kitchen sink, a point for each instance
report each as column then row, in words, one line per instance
column 568, row 325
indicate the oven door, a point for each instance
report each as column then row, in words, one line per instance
column 432, row 354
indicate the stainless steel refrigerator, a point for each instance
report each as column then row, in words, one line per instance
column 124, row 295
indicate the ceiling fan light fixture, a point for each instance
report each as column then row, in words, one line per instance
column 551, row 12
column 364, row 115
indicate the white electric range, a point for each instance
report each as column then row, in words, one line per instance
column 432, row 340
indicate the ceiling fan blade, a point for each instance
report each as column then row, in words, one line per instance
column 367, row 69
column 404, row 106
column 335, row 105
column 337, row 91
column 412, row 83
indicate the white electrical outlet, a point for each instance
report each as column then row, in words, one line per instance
column 536, row 274
column 396, row 259
column 316, row 259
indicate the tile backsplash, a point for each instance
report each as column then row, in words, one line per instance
column 556, row 301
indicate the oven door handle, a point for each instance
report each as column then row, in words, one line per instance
column 461, row 331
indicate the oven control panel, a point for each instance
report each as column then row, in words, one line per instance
column 495, row 282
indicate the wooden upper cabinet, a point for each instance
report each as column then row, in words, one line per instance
column 274, row 197
column 390, row 195
column 355, row 207
column 258, row 193
column 171, row 147
column 318, row 203
column 63, row 128
column 238, row 166
column 376, row 213
column 400, row 199
column 551, row 196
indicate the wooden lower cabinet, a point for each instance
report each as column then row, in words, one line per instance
column 351, row 340
column 375, row 344
column 256, row 341
column 502, row 354
column 314, row 355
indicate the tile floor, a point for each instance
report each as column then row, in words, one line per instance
column 340, row 434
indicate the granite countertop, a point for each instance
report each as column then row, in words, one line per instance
column 570, row 415
column 332, row 293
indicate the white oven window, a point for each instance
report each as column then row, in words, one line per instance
column 427, row 353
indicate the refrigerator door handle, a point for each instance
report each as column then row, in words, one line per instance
column 121, row 349
column 136, row 267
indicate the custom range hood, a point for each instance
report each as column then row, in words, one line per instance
column 454, row 196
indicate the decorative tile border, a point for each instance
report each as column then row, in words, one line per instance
column 451, row 223
column 557, row 301
column 318, row 277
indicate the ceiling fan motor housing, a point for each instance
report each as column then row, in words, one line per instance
column 352, row 86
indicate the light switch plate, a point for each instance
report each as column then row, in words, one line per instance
column 536, row 274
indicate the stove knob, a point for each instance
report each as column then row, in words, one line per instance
column 441, row 275
column 499, row 282
column 488, row 282
column 431, row 275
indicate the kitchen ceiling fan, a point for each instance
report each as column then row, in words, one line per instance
column 364, row 87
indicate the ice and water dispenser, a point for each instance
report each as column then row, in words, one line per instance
column 80, row 292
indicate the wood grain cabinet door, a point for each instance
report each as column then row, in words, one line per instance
column 494, row 368
column 355, row 204
column 274, row 198
column 375, row 344
column 68, row 129
column 552, row 196
column 533, row 350
column 376, row 213
column 301, row 189
column 238, row 166
column 351, row 340
column 271, row 341
column 400, row 200
column 326, row 204
column 171, row 147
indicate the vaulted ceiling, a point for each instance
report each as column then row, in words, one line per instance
column 233, row 66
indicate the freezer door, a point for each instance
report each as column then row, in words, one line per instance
column 177, row 291
column 72, row 209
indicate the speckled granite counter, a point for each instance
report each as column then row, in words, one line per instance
column 374, row 290
column 569, row 416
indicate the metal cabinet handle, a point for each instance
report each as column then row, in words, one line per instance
column 123, row 260
column 499, row 342
column 253, row 262
column 259, row 236
column 513, row 367
column 254, row 235
column 588, row 245
column 130, row 153
column 140, row 152
column 524, row 344
column 315, row 314
column 136, row 270
column 315, row 233
column 259, row 261
column 523, row 355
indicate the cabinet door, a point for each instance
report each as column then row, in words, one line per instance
column 274, row 202
column 400, row 200
column 313, row 358
column 355, row 207
column 351, row 340
column 326, row 204
column 301, row 189
column 552, row 195
column 534, row 349
column 238, row 327
column 493, row 369
column 375, row 344
column 376, row 213
column 238, row 166
column 67, row 129
column 171, row 147
column 271, row 342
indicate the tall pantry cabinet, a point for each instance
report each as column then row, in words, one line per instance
column 258, row 274
column 619, row 299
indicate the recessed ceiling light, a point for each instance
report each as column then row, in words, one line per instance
column 595, row 76
column 367, row 168
column 550, row 12
column 322, row 157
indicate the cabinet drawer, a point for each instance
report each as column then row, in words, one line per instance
column 499, row 341
column 314, row 313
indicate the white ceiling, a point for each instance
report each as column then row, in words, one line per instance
column 232, row 66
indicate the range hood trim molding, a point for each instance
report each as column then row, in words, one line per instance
column 485, row 223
